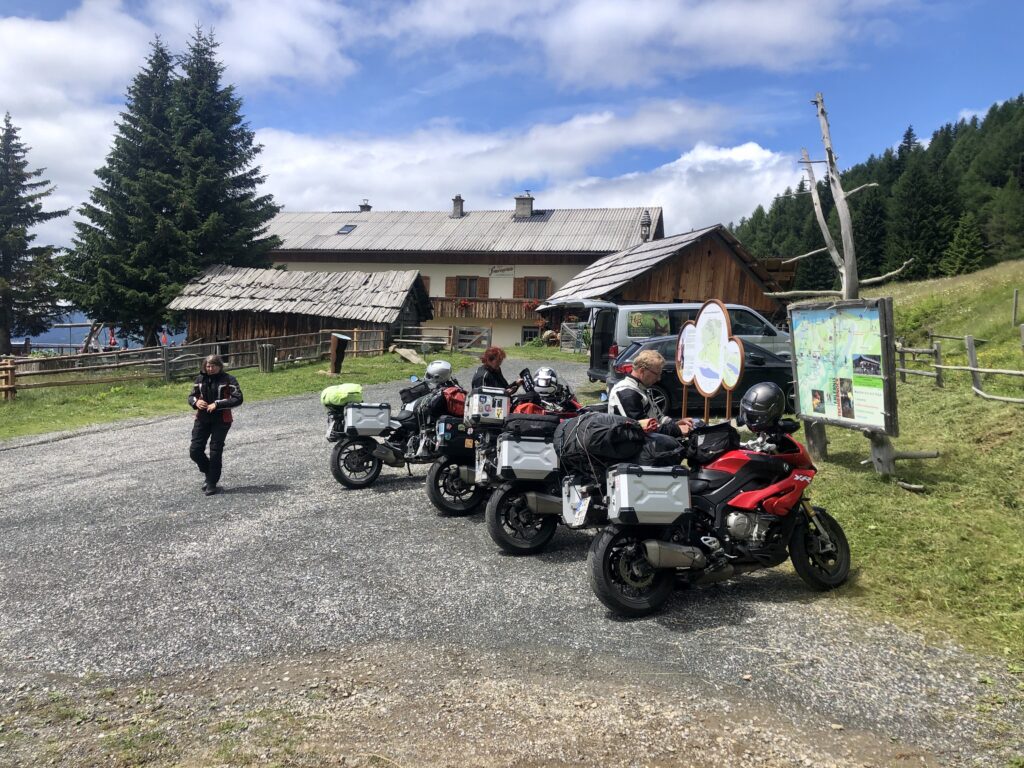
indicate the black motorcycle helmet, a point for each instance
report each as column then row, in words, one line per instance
column 762, row 406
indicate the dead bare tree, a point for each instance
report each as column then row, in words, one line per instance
column 845, row 260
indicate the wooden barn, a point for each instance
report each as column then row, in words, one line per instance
column 703, row 264
column 236, row 303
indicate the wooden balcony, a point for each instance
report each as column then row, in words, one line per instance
column 486, row 309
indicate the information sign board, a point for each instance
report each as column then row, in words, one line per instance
column 844, row 364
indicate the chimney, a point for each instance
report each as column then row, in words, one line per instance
column 645, row 226
column 524, row 206
column 457, row 207
column 365, row 205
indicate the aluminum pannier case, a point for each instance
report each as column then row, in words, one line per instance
column 367, row 418
column 525, row 458
column 487, row 405
column 647, row 495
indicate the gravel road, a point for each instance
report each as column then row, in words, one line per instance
column 115, row 569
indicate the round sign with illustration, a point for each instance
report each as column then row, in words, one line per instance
column 684, row 364
column 733, row 364
column 706, row 353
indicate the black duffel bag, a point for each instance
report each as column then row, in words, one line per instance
column 662, row 451
column 603, row 438
column 532, row 424
column 417, row 390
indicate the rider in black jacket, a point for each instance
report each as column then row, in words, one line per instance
column 214, row 393
column 489, row 374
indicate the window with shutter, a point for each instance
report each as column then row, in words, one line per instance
column 426, row 283
column 483, row 287
column 537, row 288
column 451, row 287
column 468, row 287
column 519, row 288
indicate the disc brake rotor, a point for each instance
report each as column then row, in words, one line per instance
column 628, row 567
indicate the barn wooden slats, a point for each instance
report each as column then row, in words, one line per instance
column 244, row 303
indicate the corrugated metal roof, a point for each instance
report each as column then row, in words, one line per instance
column 611, row 272
column 583, row 230
column 373, row 297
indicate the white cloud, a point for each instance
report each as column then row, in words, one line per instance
column 265, row 40
column 704, row 186
column 609, row 42
column 423, row 170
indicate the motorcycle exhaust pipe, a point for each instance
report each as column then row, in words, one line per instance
column 665, row 554
column 543, row 503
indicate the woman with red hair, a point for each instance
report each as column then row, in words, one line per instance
column 489, row 374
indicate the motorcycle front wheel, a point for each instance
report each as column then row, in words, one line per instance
column 513, row 526
column 621, row 576
column 821, row 564
column 353, row 463
column 450, row 493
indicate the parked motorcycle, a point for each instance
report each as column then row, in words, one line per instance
column 545, row 481
column 743, row 511
column 458, row 484
column 367, row 436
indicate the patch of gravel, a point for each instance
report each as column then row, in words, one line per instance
column 116, row 572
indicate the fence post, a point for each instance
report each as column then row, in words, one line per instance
column 355, row 342
column 165, row 366
column 1016, row 292
column 8, row 376
column 1022, row 337
column 972, row 361
column 938, row 361
column 903, row 365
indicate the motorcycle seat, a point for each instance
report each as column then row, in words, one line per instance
column 707, row 480
column 405, row 417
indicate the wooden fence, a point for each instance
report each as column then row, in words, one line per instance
column 469, row 338
column 169, row 363
column 424, row 338
column 931, row 357
column 574, row 337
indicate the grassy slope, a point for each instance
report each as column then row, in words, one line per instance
column 953, row 556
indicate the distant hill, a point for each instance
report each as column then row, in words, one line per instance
column 954, row 206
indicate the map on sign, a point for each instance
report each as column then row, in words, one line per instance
column 838, row 357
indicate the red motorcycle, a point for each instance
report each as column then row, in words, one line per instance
column 740, row 511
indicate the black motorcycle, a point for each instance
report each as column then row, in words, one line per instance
column 367, row 436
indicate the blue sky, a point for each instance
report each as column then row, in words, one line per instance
column 699, row 107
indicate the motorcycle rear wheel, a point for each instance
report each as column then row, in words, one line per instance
column 449, row 493
column 820, row 570
column 512, row 525
column 622, row 578
column 353, row 463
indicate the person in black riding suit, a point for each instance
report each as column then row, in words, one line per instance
column 631, row 397
column 489, row 374
column 214, row 393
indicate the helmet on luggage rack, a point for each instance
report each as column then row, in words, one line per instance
column 438, row 372
column 545, row 381
column 762, row 406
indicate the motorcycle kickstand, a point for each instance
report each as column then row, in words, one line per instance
column 408, row 468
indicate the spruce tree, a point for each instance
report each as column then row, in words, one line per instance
column 220, row 213
column 129, row 258
column 1005, row 228
column 28, row 273
column 921, row 220
column 967, row 251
